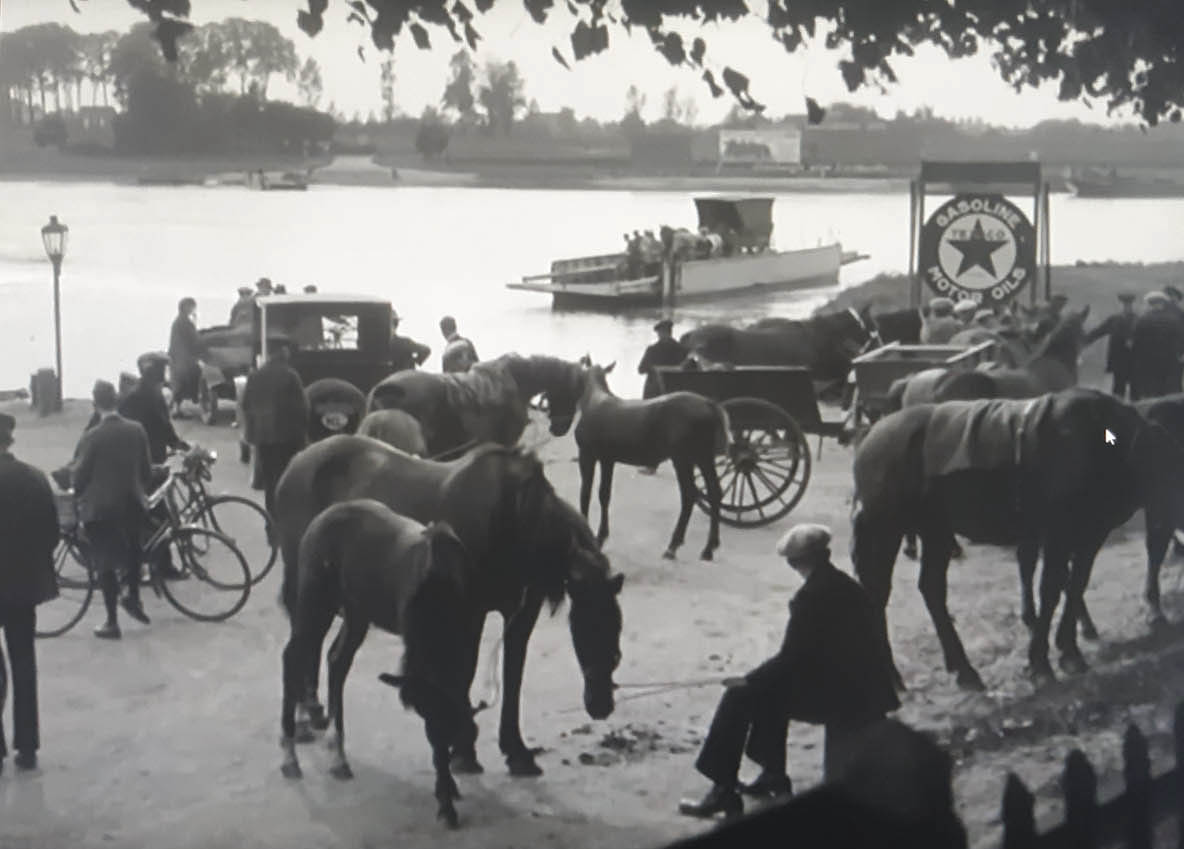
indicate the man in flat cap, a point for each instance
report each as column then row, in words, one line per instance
column 1119, row 331
column 243, row 311
column 29, row 528
column 459, row 353
column 667, row 351
column 964, row 310
column 275, row 410
column 1157, row 343
column 406, row 353
column 834, row 669
column 112, row 475
column 941, row 324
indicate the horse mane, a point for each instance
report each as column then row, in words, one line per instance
column 1063, row 341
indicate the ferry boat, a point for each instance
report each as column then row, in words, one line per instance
column 748, row 264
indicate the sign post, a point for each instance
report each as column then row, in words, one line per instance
column 978, row 245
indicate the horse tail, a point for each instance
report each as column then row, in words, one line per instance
column 723, row 432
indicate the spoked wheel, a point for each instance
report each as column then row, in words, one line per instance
column 215, row 579
column 765, row 470
column 76, row 587
column 244, row 523
column 207, row 399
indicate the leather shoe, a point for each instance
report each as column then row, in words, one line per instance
column 719, row 800
column 769, row 785
column 135, row 610
column 109, row 631
column 25, row 760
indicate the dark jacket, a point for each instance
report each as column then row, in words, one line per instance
column 1157, row 342
column 145, row 404
column 243, row 312
column 1119, row 330
column 834, row 664
column 406, row 353
column 275, row 406
column 29, row 528
column 664, row 352
column 112, row 470
column 184, row 343
column 459, row 354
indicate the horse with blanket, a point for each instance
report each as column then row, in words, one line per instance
column 1035, row 474
column 529, row 546
column 488, row 403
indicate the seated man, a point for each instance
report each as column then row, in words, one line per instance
column 834, row 669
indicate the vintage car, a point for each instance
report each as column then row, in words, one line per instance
column 339, row 341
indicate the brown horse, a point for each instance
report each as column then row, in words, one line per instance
column 685, row 428
column 375, row 567
column 488, row 403
column 1035, row 474
column 529, row 546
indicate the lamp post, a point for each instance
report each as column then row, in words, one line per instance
column 53, row 236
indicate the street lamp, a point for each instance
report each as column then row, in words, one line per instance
column 53, row 236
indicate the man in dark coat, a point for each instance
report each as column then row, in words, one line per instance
column 243, row 311
column 29, row 528
column 112, row 474
column 667, row 351
column 185, row 349
column 1119, row 330
column 276, row 412
column 145, row 404
column 834, row 669
column 406, row 353
column 459, row 354
column 1157, row 343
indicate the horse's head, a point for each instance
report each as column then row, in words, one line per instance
column 563, row 396
column 1066, row 338
column 714, row 342
column 595, row 622
column 434, row 680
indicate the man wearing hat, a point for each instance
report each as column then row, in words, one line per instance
column 263, row 287
column 1157, row 343
column 459, row 354
column 275, row 412
column 834, row 669
column 145, row 404
column 243, row 311
column 29, row 528
column 185, row 351
column 1119, row 329
column 406, row 353
column 964, row 311
column 940, row 325
column 667, row 351
column 112, row 474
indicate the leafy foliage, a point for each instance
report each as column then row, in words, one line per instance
column 431, row 139
column 1128, row 53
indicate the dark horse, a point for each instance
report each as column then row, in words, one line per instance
column 529, row 546
column 375, row 567
column 1047, row 479
column 488, row 403
column 826, row 344
column 685, row 428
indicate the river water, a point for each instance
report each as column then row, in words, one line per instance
column 135, row 251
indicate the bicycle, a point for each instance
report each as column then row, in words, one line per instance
column 211, row 567
column 230, row 515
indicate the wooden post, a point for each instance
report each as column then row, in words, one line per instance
column 1046, row 220
column 1080, row 785
column 1019, row 821
column 1178, row 730
column 1136, row 770
column 912, row 243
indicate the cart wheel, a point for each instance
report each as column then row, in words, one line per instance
column 208, row 401
column 765, row 470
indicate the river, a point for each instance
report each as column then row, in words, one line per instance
column 135, row 251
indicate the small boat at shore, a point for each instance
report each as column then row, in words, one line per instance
column 1113, row 185
column 742, row 226
column 277, row 181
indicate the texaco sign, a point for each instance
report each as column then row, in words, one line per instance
column 980, row 247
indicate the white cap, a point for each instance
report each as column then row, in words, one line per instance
column 804, row 540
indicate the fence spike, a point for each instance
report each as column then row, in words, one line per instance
column 1019, row 820
column 1137, row 773
column 1080, row 784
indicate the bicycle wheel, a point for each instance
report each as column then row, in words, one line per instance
column 216, row 580
column 76, row 587
column 246, row 524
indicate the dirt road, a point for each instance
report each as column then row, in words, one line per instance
column 169, row 738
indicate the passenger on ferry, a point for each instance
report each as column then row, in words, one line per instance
column 243, row 308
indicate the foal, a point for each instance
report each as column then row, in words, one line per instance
column 373, row 566
column 685, row 428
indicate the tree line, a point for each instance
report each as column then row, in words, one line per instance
column 214, row 98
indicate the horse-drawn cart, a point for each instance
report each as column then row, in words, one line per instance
column 766, row 468
column 877, row 370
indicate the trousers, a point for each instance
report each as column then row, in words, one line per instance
column 749, row 722
column 19, row 624
column 271, row 460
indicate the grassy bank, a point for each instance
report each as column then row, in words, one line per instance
column 51, row 165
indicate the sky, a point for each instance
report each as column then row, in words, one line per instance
column 595, row 87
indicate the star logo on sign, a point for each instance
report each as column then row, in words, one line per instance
column 977, row 250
